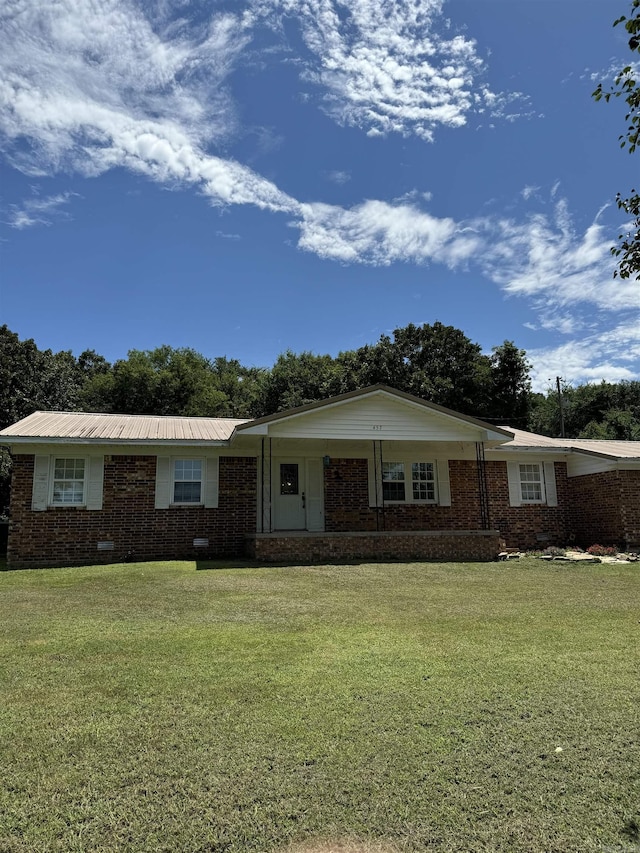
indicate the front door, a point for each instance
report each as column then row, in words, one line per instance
column 290, row 495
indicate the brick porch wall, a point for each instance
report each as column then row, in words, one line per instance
column 347, row 505
column 606, row 508
column 65, row 536
column 479, row 545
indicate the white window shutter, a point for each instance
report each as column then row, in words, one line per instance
column 94, row 482
column 40, row 493
column 211, row 482
column 550, row 484
column 163, row 482
column 375, row 484
column 444, row 486
column 513, row 472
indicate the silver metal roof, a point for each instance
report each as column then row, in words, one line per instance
column 603, row 447
column 120, row 428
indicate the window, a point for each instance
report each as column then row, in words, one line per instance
column 531, row 482
column 187, row 481
column 68, row 482
column 423, row 478
column 420, row 489
column 393, row 481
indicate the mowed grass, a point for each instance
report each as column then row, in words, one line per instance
column 155, row 707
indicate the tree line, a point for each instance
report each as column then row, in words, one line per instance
column 435, row 362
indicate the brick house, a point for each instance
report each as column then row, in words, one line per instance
column 373, row 474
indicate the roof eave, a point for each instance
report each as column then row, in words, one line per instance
column 129, row 442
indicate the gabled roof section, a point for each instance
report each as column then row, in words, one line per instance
column 600, row 447
column 83, row 427
column 378, row 413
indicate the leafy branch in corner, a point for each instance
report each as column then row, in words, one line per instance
column 626, row 86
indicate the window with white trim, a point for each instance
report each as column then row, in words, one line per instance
column 408, row 482
column 531, row 482
column 68, row 481
column 186, row 487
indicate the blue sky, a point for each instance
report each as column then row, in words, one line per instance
column 244, row 178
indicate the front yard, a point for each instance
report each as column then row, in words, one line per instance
column 460, row 707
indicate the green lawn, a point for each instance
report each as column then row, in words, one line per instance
column 154, row 707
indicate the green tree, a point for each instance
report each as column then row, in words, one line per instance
column 163, row 381
column 295, row 379
column 626, row 86
column 510, row 390
column 616, row 425
column 30, row 380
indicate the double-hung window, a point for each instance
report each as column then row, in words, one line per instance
column 68, row 483
column 408, row 482
column 187, row 481
column 531, row 482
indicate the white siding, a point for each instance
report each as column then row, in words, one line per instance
column 378, row 419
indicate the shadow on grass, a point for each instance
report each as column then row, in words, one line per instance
column 209, row 565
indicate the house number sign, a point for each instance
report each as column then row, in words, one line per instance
column 376, row 426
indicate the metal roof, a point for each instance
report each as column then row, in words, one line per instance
column 121, row 428
column 601, row 447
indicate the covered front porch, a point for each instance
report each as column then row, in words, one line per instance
column 359, row 546
column 371, row 476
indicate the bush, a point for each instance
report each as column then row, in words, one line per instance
column 602, row 550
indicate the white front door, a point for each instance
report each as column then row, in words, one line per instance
column 298, row 494
column 289, row 493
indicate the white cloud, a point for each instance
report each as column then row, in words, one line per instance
column 386, row 67
column 611, row 355
column 95, row 86
column 528, row 191
column 546, row 259
column 380, row 233
column 39, row 211
column 339, row 177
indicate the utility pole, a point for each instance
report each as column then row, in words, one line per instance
column 560, row 406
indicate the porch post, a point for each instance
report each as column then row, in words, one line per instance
column 483, row 489
column 266, row 488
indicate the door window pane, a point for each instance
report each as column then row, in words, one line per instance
column 288, row 478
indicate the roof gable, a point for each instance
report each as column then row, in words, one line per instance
column 375, row 413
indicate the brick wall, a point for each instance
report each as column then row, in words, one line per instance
column 524, row 526
column 605, row 508
column 347, row 505
column 345, row 547
column 347, row 502
column 64, row 536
